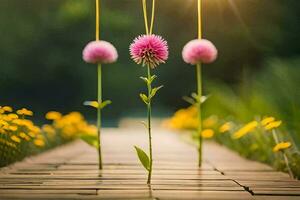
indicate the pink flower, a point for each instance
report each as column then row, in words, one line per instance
column 149, row 50
column 197, row 51
column 99, row 52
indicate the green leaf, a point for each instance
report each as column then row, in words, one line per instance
column 202, row 99
column 144, row 79
column 105, row 103
column 143, row 157
column 154, row 91
column 145, row 124
column 90, row 139
column 152, row 78
column 144, row 98
column 195, row 96
column 189, row 100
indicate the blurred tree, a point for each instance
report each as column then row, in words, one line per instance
column 41, row 44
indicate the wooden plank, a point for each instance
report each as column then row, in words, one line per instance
column 71, row 172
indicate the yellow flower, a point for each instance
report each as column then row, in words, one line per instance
column 209, row 122
column 184, row 119
column 12, row 128
column 13, row 116
column 3, row 123
column 53, row 115
column 49, row 130
column 267, row 120
column 15, row 139
column 281, row 146
column 7, row 109
column 32, row 134
column 39, row 142
column 34, row 129
column 94, row 104
column 273, row 125
column 24, row 111
column 245, row 130
column 225, row 127
column 24, row 136
column 207, row 133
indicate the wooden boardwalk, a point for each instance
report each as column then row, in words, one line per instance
column 70, row 172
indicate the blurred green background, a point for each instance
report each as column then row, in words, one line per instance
column 257, row 72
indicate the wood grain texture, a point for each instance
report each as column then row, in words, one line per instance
column 70, row 172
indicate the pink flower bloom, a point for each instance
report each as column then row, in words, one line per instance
column 197, row 51
column 99, row 52
column 149, row 50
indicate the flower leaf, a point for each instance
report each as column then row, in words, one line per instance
column 152, row 78
column 105, row 103
column 90, row 139
column 196, row 97
column 144, row 123
column 144, row 98
column 189, row 100
column 154, row 91
column 143, row 157
column 93, row 104
column 144, row 79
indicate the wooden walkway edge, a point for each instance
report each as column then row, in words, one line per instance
column 70, row 172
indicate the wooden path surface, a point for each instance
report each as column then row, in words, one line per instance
column 70, row 172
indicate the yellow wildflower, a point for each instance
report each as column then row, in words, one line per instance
column 12, row 128
column 24, row 111
column 12, row 116
column 184, row 119
column 267, row 120
column 225, row 127
column 245, row 130
column 39, row 142
column 273, row 125
column 24, row 136
column 15, row 139
column 32, row 134
column 207, row 133
column 53, row 115
column 281, row 146
column 7, row 109
column 209, row 122
column 3, row 123
column 34, row 129
column 49, row 130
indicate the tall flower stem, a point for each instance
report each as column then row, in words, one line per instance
column 145, row 16
column 99, row 114
column 149, row 125
column 199, row 87
column 99, row 86
column 152, row 17
column 149, row 87
column 199, row 91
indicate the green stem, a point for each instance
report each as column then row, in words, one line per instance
column 149, row 125
column 152, row 17
column 144, row 3
column 99, row 114
column 286, row 160
column 199, row 91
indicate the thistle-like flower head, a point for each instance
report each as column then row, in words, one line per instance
column 149, row 50
column 199, row 50
column 99, row 52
